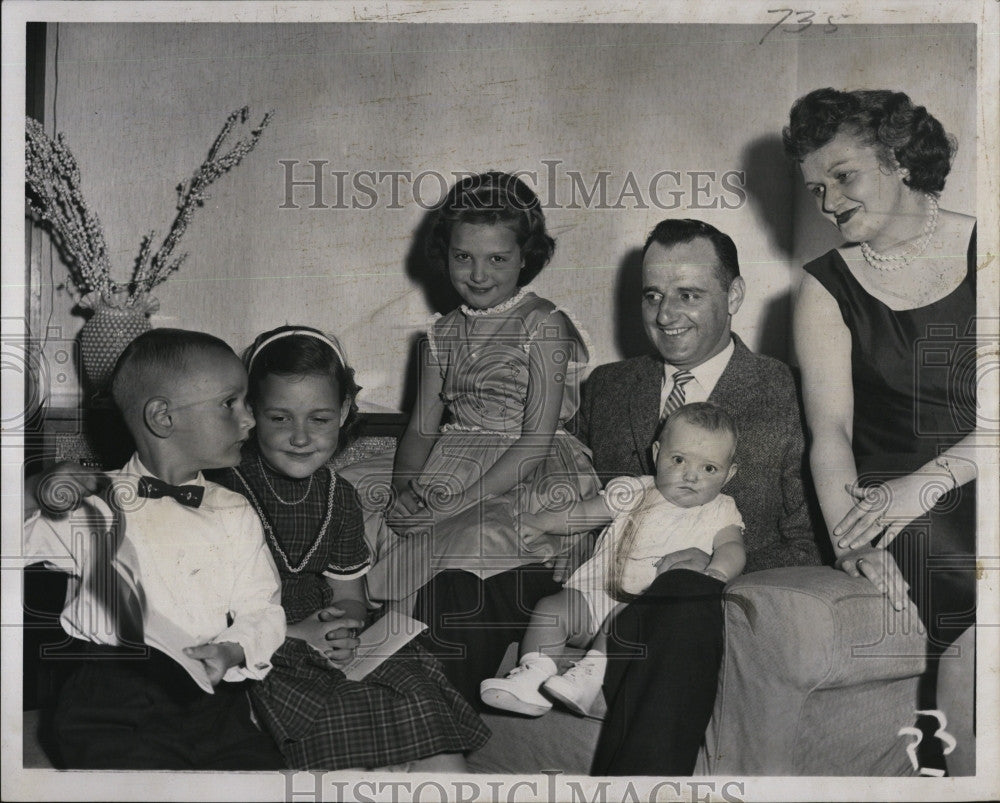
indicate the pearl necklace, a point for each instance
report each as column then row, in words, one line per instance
column 877, row 260
column 269, row 531
column 503, row 306
column 270, row 487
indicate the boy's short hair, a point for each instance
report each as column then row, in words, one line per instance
column 153, row 359
column 704, row 415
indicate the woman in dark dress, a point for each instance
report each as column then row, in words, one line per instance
column 885, row 337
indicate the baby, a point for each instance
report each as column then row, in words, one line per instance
column 651, row 518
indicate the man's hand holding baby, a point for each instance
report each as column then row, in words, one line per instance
column 691, row 558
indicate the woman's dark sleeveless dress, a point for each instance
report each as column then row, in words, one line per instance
column 914, row 378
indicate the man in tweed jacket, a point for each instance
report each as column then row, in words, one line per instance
column 667, row 645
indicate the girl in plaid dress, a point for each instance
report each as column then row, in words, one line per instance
column 404, row 714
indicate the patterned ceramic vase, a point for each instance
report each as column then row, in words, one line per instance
column 107, row 332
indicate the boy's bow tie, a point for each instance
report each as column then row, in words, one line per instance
column 152, row 488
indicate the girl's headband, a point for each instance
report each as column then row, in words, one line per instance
column 330, row 340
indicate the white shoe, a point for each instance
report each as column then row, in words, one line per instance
column 577, row 688
column 519, row 691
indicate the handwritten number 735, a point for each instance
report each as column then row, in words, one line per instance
column 804, row 20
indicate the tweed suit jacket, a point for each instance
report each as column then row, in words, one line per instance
column 620, row 411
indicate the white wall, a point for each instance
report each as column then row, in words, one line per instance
column 141, row 103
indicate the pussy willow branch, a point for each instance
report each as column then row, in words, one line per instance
column 153, row 270
column 55, row 200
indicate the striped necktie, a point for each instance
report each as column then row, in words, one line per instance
column 676, row 397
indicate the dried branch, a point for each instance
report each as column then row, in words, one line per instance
column 55, row 201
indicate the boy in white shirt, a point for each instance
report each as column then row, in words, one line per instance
column 200, row 575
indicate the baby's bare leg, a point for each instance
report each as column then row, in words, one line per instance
column 600, row 642
column 558, row 619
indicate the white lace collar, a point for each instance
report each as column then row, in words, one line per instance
column 503, row 306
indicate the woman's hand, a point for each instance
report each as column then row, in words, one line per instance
column 330, row 632
column 880, row 568
column 888, row 507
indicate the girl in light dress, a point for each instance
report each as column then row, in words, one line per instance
column 404, row 714
column 499, row 378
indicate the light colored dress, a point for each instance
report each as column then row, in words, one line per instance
column 483, row 358
column 656, row 527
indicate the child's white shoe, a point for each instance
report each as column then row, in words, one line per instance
column 519, row 691
column 577, row 688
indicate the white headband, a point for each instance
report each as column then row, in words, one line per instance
column 330, row 340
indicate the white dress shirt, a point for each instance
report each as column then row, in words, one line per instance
column 705, row 376
column 206, row 570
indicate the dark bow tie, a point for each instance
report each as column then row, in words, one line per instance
column 152, row 488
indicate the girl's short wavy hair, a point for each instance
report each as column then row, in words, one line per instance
column 307, row 352
column 494, row 198
column 902, row 133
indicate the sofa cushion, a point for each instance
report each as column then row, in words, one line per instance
column 818, row 676
column 823, row 628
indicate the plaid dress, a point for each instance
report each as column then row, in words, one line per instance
column 403, row 710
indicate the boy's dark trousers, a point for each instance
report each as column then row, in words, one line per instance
column 119, row 712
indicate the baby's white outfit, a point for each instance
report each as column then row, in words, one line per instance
column 662, row 528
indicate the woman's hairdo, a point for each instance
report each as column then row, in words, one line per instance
column 494, row 198
column 903, row 134
column 302, row 351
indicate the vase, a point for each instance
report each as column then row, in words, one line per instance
column 104, row 337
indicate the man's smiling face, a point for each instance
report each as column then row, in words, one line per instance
column 686, row 310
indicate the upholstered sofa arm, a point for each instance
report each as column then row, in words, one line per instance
column 818, row 676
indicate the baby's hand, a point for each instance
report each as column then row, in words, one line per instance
column 217, row 658
column 63, row 487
